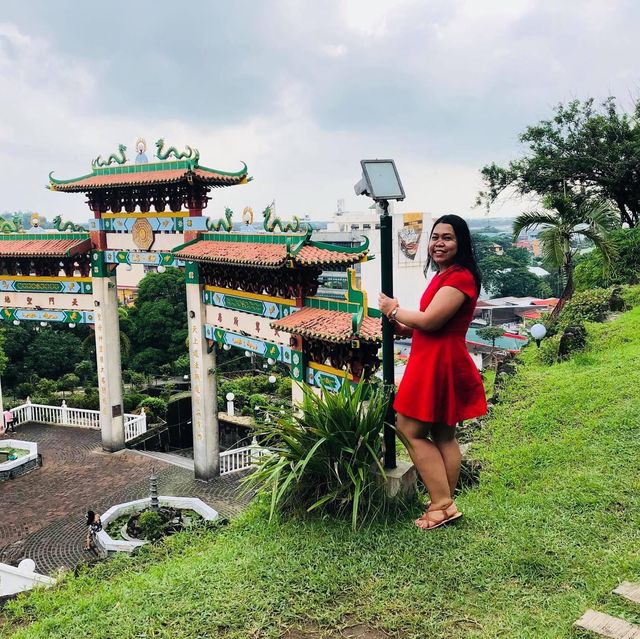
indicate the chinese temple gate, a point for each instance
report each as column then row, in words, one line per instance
column 250, row 289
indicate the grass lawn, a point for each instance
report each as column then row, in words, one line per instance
column 551, row 530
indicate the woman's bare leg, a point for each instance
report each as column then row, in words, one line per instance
column 427, row 459
column 444, row 438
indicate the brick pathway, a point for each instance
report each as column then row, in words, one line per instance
column 42, row 513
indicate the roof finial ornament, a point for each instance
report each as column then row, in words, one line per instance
column 141, row 148
column 118, row 158
column 270, row 224
column 187, row 154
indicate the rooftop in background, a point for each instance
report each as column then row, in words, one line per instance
column 517, row 301
column 507, row 342
column 148, row 174
column 45, row 245
column 171, row 167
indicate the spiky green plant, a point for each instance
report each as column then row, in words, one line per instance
column 328, row 458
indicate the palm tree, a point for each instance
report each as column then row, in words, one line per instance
column 562, row 223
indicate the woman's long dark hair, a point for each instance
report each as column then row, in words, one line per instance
column 466, row 255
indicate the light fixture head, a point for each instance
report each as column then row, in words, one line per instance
column 380, row 181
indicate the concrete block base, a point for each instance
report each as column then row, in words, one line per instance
column 401, row 481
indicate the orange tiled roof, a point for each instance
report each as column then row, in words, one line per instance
column 253, row 253
column 330, row 326
column 314, row 255
column 147, row 177
column 259, row 254
column 44, row 248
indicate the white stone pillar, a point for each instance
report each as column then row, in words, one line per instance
column 204, row 404
column 105, row 296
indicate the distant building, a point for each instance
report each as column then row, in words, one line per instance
column 533, row 246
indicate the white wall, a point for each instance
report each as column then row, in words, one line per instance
column 409, row 281
column 14, row 580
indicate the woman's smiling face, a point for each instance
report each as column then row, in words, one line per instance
column 443, row 245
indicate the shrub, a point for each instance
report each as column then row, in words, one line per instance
column 283, row 388
column 150, row 524
column 89, row 400
column 631, row 295
column 68, row 382
column 132, row 400
column 588, row 306
column 182, row 365
column 548, row 351
column 258, row 400
column 23, row 390
column 155, row 408
column 326, row 458
column 46, row 387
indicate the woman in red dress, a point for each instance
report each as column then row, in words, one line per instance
column 441, row 385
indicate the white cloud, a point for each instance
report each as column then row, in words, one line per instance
column 304, row 91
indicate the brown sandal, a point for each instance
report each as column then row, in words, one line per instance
column 449, row 513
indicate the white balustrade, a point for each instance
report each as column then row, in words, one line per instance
column 236, row 459
column 134, row 425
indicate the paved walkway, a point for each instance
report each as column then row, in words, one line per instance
column 42, row 514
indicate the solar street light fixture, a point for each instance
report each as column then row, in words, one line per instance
column 381, row 182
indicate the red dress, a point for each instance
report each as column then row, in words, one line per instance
column 441, row 384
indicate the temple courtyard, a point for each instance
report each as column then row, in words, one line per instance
column 43, row 512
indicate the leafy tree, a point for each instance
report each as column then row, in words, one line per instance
column 582, row 152
column 491, row 334
column 561, row 223
column 85, row 369
column 159, row 320
column 52, row 353
column 519, row 282
column 591, row 271
column 519, row 255
column 68, row 382
column 4, row 360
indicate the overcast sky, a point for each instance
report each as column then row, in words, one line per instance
column 299, row 90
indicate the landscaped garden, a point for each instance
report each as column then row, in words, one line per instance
column 550, row 531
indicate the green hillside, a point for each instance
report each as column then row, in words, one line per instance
column 551, row 530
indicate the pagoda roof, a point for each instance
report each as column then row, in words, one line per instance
column 167, row 172
column 45, row 245
column 329, row 326
column 268, row 250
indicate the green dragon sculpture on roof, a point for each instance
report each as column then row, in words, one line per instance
column 115, row 158
column 187, row 154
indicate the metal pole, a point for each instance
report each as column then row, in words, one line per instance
column 2, row 422
column 388, row 373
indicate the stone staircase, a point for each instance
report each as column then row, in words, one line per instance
column 605, row 625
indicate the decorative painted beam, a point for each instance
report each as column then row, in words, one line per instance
column 253, row 303
column 67, row 316
column 279, row 352
column 141, row 257
column 172, row 222
column 45, row 284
